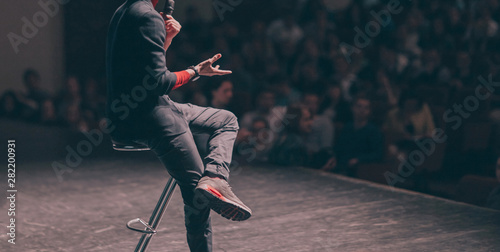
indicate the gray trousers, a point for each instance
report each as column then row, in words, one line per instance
column 210, row 134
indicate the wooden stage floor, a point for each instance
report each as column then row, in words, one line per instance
column 294, row 210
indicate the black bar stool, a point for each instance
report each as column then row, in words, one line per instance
column 148, row 229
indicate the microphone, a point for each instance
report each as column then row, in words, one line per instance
column 169, row 7
column 165, row 6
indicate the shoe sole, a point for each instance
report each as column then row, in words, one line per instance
column 223, row 206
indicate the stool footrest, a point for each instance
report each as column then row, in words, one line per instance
column 145, row 229
column 148, row 229
column 119, row 147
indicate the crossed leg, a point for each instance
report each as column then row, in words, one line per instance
column 179, row 154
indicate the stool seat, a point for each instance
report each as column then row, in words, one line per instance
column 129, row 146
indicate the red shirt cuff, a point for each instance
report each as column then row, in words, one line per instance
column 183, row 77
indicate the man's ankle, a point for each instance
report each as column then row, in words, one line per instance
column 213, row 175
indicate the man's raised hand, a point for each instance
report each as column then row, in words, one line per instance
column 172, row 26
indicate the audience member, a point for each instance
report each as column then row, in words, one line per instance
column 285, row 30
column 286, row 95
column 35, row 95
column 493, row 200
column 221, row 94
column 93, row 102
column 411, row 120
column 322, row 130
column 73, row 118
column 69, row 96
column 255, row 143
column 360, row 141
column 346, row 78
column 265, row 108
column 32, row 83
column 289, row 148
column 10, row 106
column 334, row 107
column 48, row 115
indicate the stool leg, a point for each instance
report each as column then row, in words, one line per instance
column 157, row 214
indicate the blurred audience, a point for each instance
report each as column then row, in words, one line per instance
column 73, row 107
column 299, row 55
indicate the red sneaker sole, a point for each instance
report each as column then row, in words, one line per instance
column 224, row 207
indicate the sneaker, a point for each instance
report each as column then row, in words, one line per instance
column 222, row 199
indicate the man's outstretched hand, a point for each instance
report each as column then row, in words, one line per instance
column 205, row 68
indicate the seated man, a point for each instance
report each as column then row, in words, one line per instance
column 140, row 111
column 289, row 148
column 221, row 94
column 411, row 120
column 265, row 108
column 360, row 141
column 321, row 136
column 254, row 144
column 31, row 101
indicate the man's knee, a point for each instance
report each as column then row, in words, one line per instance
column 231, row 121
